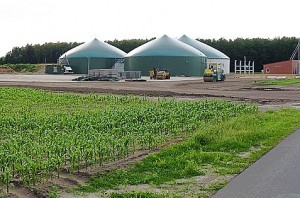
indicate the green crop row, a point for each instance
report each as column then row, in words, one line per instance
column 44, row 132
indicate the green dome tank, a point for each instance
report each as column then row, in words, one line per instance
column 166, row 53
column 213, row 55
column 91, row 55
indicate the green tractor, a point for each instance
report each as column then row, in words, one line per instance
column 214, row 73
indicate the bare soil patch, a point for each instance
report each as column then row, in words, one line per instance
column 6, row 70
column 235, row 89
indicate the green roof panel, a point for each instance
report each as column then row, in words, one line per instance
column 165, row 46
column 209, row 51
column 95, row 49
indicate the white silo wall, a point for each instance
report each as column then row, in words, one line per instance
column 225, row 62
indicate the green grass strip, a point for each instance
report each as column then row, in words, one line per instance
column 280, row 82
column 216, row 144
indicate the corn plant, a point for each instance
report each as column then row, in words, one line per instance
column 43, row 132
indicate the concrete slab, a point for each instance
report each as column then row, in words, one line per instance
column 69, row 77
column 36, row 78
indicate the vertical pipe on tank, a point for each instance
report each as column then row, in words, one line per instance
column 88, row 69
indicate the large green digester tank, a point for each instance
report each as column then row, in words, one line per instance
column 213, row 55
column 91, row 55
column 166, row 53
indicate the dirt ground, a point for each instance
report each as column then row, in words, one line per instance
column 235, row 89
column 6, row 70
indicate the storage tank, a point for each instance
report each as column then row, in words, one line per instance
column 92, row 55
column 166, row 53
column 213, row 55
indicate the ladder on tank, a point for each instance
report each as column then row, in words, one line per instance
column 63, row 61
column 119, row 65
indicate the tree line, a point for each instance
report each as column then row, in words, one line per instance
column 33, row 54
column 260, row 50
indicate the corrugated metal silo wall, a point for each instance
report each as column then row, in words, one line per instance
column 187, row 66
column 80, row 65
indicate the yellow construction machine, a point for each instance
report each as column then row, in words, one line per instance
column 214, row 73
column 159, row 75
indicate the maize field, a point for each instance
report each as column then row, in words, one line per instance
column 43, row 133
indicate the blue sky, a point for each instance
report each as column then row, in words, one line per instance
column 40, row 21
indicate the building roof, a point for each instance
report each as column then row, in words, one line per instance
column 94, row 48
column 165, row 46
column 209, row 51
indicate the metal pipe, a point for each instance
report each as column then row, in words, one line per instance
column 240, row 66
column 88, row 65
column 235, row 66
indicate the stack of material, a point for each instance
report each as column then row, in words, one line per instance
column 115, row 73
column 130, row 74
column 103, row 72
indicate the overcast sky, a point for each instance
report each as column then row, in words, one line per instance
column 40, row 21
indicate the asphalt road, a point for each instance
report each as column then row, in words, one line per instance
column 275, row 175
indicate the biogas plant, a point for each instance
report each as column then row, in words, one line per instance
column 179, row 57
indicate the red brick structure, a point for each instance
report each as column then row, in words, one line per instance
column 284, row 67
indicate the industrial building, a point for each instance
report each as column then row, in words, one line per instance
column 92, row 55
column 166, row 53
column 283, row 67
column 212, row 54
